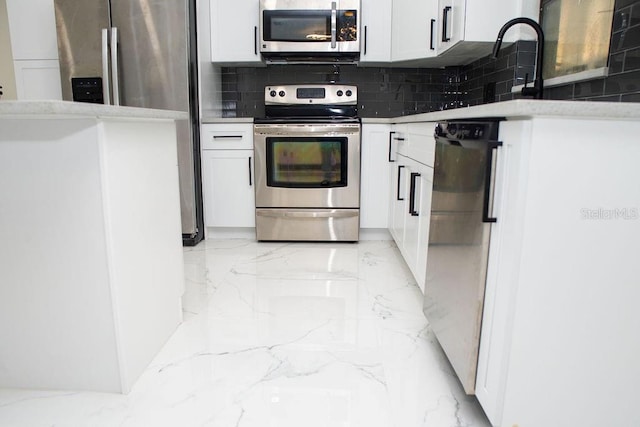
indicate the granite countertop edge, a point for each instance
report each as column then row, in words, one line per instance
column 69, row 110
column 527, row 109
column 509, row 110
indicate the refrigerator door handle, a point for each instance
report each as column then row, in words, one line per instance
column 106, row 87
column 334, row 24
column 114, row 66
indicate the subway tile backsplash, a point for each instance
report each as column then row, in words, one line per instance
column 392, row 92
column 382, row 92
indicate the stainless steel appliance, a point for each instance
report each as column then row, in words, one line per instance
column 460, row 230
column 307, row 155
column 138, row 54
column 310, row 29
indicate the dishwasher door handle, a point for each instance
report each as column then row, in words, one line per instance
column 489, row 183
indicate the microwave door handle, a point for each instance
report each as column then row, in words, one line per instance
column 106, row 87
column 334, row 25
column 114, row 66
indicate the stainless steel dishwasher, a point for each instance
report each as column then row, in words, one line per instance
column 460, row 231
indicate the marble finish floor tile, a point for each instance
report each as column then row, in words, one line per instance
column 281, row 335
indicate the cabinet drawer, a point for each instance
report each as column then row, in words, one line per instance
column 227, row 136
column 419, row 143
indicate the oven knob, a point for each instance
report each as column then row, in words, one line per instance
column 281, row 94
column 349, row 93
column 339, row 93
column 273, row 93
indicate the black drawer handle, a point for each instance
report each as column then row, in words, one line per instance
column 250, row 181
column 227, row 136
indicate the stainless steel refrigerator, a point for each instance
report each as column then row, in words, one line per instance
column 138, row 53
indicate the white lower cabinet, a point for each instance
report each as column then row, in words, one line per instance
column 411, row 182
column 374, row 185
column 227, row 175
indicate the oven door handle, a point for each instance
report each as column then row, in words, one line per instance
column 307, row 215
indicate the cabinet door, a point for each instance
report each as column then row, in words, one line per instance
column 451, row 24
column 234, row 31
column 375, row 45
column 414, row 30
column 419, row 179
column 32, row 25
column 424, row 220
column 374, row 184
column 227, row 183
column 398, row 201
column 37, row 80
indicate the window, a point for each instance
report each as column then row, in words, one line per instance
column 577, row 35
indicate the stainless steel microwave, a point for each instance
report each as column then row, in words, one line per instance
column 310, row 29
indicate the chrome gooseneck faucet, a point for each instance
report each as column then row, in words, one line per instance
column 536, row 90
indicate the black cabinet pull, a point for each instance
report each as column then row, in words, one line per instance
column 365, row 40
column 227, row 136
column 445, row 29
column 250, row 181
column 255, row 40
column 433, row 26
column 488, row 193
column 390, row 143
column 412, row 194
column 398, row 198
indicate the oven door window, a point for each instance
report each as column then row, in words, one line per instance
column 307, row 162
column 308, row 25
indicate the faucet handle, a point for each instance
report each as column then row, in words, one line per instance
column 528, row 91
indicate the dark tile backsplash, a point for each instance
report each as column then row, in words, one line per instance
column 382, row 92
column 391, row 92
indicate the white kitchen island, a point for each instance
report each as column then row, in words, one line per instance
column 91, row 267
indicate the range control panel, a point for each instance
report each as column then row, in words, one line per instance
column 311, row 94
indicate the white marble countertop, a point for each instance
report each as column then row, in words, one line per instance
column 511, row 110
column 67, row 110
column 519, row 109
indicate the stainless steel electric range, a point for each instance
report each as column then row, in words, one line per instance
column 307, row 164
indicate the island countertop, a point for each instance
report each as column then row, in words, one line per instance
column 66, row 109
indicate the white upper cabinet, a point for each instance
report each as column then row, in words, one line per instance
column 375, row 33
column 32, row 25
column 234, row 32
column 468, row 29
column 451, row 23
column 34, row 44
column 414, row 27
